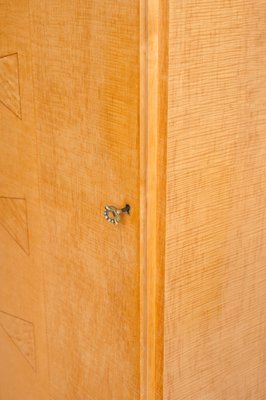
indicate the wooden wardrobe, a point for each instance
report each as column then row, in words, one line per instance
column 132, row 200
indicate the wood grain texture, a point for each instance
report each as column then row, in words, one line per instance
column 9, row 83
column 215, row 271
column 161, row 105
column 86, row 84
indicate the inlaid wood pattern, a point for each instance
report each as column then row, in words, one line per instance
column 9, row 83
column 21, row 333
column 215, row 276
column 13, row 218
column 21, row 276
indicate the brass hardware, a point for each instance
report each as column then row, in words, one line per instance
column 113, row 214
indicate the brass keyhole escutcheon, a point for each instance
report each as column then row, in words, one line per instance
column 113, row 214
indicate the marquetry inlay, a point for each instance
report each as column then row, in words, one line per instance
column 9, row 83
column 21, row 332
column 13, row 218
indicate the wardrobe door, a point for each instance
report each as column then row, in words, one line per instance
column 69, row 278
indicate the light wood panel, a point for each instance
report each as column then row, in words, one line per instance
column 215, row 272
column 73, row 149
column 86, row 85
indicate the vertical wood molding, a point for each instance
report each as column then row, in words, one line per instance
column 157, row 65
column 143, row 197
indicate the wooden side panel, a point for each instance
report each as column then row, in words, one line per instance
column 215, row 277
column 86, row 86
